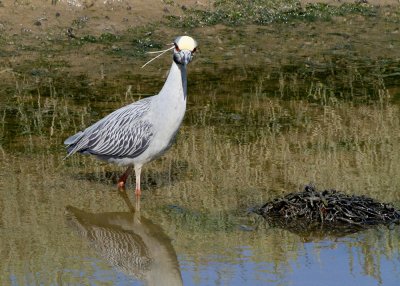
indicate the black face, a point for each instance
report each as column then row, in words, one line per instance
column 183, row 56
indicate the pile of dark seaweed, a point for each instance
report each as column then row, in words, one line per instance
column 327, row 212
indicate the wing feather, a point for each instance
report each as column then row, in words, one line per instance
column 123, row 133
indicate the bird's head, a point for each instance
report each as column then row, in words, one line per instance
column 184, row 48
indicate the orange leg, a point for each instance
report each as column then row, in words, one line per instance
column 138, row 191
column 122, row 180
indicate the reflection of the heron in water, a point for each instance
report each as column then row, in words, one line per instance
column 132, row 244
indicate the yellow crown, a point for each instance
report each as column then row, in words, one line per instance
column 186, row 43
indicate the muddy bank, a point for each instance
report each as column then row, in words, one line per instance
column 90, row 41
column 38, row 18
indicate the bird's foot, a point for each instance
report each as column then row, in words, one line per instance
column 121, row 185
column 122, row 180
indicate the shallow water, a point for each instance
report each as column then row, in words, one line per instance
column 64, row 222
column 250, row 134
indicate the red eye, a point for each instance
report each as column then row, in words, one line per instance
column 194, row 50
column 176, row 47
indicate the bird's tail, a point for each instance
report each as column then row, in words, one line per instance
column 70, row 143
column 73, row 139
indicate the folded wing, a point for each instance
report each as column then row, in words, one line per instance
column 124, row 133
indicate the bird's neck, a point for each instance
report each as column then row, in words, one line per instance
column 176, row 83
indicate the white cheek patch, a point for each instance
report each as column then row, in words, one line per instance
column 186, row 43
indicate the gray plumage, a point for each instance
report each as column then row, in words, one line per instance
column 142, row 131
column 123, row 133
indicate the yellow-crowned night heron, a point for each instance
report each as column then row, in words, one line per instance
column 142, row 131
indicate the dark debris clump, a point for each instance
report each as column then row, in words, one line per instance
column 329, row 209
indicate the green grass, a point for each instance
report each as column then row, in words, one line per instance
column 263, row 12
column 104, row 38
